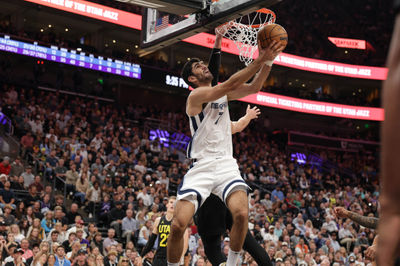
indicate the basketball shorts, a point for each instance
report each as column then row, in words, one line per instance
column 160, row 261
column 219, row 176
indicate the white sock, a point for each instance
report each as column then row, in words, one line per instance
column 173, row 264
column 233, row 258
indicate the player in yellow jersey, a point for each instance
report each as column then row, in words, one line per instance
column 161, row 229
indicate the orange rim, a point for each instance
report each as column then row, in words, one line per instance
column 256, row 26
column 267, row 12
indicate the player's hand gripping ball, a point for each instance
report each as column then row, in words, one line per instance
column 272, row 32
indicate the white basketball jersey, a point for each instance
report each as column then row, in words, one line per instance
column 211, row 131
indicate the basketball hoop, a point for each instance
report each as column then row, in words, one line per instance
column 243, row 32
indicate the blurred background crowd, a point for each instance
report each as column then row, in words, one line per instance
column 85, row 167
column 88, row 159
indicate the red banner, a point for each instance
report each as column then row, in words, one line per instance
column 348, row 43
column 96, row 11
column 315, row 107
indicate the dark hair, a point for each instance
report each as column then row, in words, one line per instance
column 187, row 71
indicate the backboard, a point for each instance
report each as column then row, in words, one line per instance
column 176, row 20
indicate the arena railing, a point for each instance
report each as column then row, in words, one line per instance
column 8, row 145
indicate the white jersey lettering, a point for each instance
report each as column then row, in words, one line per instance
column 211, row 131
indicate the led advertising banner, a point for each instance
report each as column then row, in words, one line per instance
column 349, row 43
column 315, row 107
column 96, row 11
column 71, row 57
column 134, row 21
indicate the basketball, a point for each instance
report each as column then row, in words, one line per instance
column 271, row 32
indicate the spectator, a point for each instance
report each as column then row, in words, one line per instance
column 53, row 236
column 14, row 229
column 17, row 258
column 294, row 239
column 27, row 144
column 48, row 222
column 67, row 244
column 82, row 240
column 335, row 244
column 301, row 247
column 346, row 236
column 97, row 242
column 144, row 195
column 116, row 216
column 60, row 172
column 277, row 194
column 81, row 258
column 51, row 164
column 71, row 215
column 109, row 240
column 9, row 219
column 17, row 168
column 37, row 182
column 32, row 197
column 5, row 166
column 75, row 248
column 18, row 183
column 270, row 236
column 111, row 259
column 81, row 187
column 97, row 165
column 79, row 225
column 93, row 197
column 59, row 215
column 129, row 226
column 329, row 225
column 27, row 253
column 72, row 177
column 7, row 196
column 144, row 233
column 28, row 176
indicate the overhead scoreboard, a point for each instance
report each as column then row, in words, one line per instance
column 71, row 57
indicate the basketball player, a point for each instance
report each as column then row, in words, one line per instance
column 162, row 229
column 214, row 169
column 389, row 224
column 213, row 218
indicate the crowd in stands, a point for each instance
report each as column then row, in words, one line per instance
column 117, row 182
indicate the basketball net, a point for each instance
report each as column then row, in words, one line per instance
column 243, row 32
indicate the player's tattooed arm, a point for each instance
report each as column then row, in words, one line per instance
column 369, row 222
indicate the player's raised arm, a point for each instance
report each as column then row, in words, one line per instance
column 241, row 124
column 214, row 62
column 255, row 86
column 197, row 75
column 152, row 238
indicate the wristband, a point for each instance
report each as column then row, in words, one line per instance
column 269, row 63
